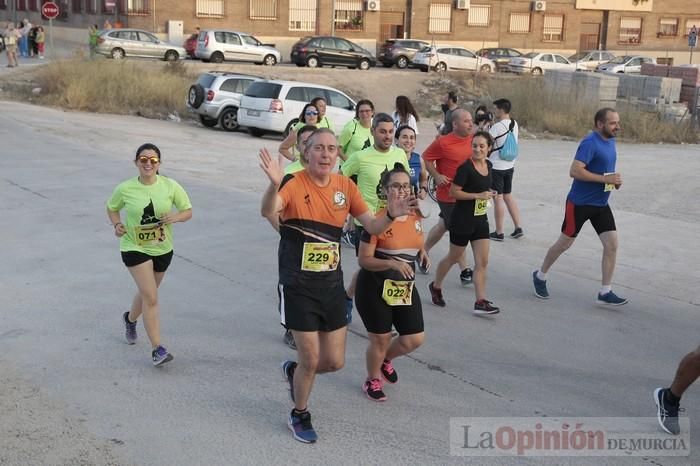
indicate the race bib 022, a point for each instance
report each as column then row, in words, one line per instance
column 398, row 292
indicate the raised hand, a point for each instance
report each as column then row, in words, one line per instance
column 271, row 167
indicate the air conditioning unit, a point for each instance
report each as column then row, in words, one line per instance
column 462, row 4
column 373, row 5
column 539, row 6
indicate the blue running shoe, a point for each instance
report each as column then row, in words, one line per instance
column 161, row 356
column 288, row 368
column 540, row 286
column 300, row 425
column 130, row 329
column 611, row 299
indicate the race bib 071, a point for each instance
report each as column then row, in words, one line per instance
column 146, row 235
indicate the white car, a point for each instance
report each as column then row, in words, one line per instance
column 588, row 61
column 274, row 105
column 538, row 62
column 625, row 64
column 218, row 45
column 449, row 57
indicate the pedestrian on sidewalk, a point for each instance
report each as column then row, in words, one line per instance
column 93, row 32
column 11, row 36
column 40, row 39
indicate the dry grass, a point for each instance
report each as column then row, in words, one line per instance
column 541, row 111
column 109, row 86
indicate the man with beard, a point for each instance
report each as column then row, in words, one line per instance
column 593, row 171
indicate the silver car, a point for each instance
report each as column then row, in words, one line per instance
column 120, row 43
column 218, row 45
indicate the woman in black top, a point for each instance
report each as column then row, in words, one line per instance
column 471, row 188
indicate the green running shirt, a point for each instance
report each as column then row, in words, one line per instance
column 144, row 205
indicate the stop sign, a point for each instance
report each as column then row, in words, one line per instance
column 49, row 10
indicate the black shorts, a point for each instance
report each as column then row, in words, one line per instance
column 358, row 233
column 446, row 209
column 502, row 181
column 312, row 309
column 462, row 238
column 378, row 316
column 575, row 216
column 160, row 263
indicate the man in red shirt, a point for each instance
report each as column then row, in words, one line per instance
column 442, row 158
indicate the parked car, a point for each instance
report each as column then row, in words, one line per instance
column 449, row 57
column 191, row 45
column 216, row 96
column 625, row 64
column 120, row 43
column 587, row 61
column 317, row 51
column 274, row 106
column 219, row 45
column 399, row 52
column 538, row 63
column 500, row 56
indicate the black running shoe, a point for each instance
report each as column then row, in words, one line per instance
column 497, row 236
column 466, row 276
column 517, row 233
column 388, row 372
column 666, row 411
column 373, row 390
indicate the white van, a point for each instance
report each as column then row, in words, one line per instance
column 274, row 106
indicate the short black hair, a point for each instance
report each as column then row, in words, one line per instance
column 381, row 118
column 602, row 115
column 502, row 104
column 452, row 96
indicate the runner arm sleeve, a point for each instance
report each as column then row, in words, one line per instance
column 366, row 259
column 116, row 201
column 180, row 198
column 579, row 172
column 351, row 166
column 461, row 180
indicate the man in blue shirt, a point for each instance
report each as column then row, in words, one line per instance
column 593, row 171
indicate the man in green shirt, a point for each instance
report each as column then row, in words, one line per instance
column 368, row 165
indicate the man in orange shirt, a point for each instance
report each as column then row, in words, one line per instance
column 442, row 158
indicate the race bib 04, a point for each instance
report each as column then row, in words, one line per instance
column 398, row 292
column 320, row 257
column 480, row 206
column 146, row 235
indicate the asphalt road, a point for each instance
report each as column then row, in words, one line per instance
column 222, row 400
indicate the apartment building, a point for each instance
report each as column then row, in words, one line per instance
column 656, row 27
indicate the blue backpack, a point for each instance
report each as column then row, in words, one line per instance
column 509, row 150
